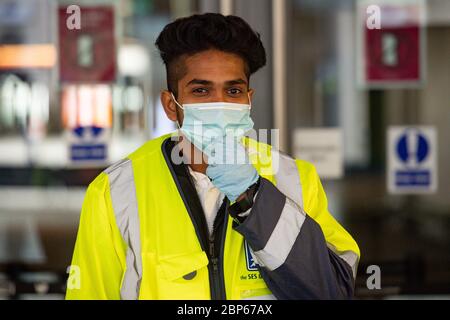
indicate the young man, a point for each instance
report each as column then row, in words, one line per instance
column 155, row 227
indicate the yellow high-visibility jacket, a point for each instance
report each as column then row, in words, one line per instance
column 143, row 235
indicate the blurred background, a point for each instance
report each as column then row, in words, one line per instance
column 360, row 88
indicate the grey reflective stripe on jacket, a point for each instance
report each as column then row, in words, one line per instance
column 287, row 177
column 288, row 182
column 350, row 257
column 283, row 237
column 287, row 228
column 124, row 202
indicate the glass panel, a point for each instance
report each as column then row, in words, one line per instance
column 341, row 77
column 79, row 90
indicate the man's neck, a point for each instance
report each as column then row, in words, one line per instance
column 199, row 167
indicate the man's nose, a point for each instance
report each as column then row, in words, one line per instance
column 219, row 96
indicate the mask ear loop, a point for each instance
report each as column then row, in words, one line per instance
column 246, row 147
column 179, row 105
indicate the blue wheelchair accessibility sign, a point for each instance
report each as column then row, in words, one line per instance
column 412, row 160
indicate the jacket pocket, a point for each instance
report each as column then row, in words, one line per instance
column 176, row 267
column 183, row 276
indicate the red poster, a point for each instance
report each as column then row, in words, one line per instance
column 392, row 54
column 405, row 61
column 88, row 54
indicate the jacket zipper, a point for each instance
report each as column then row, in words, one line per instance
column 214, row 269
column 215, row 286
column 216, row 257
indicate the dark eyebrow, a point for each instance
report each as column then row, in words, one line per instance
column 209, row 83
column 234, row 82
column 199, row 81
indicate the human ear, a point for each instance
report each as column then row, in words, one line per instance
column 250, row 94
column 169, row 105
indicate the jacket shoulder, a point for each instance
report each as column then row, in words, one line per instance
column 306, row 167
column 99, row 184
column 148, row 149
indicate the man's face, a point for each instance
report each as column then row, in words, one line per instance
column 210, row 76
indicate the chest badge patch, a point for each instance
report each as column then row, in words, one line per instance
column 252, row 265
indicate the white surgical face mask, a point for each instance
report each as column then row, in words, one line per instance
column 205, row 122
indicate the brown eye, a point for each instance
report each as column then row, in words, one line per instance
column 234, row 91
column 200, row 91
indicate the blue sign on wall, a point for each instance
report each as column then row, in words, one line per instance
column 412, row 159
column 87, row 144
column 88, row 152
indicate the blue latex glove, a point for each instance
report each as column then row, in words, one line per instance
column 229, row 168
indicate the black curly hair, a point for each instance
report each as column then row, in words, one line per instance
column 200, row 32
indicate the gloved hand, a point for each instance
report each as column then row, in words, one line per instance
column 229, row 168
